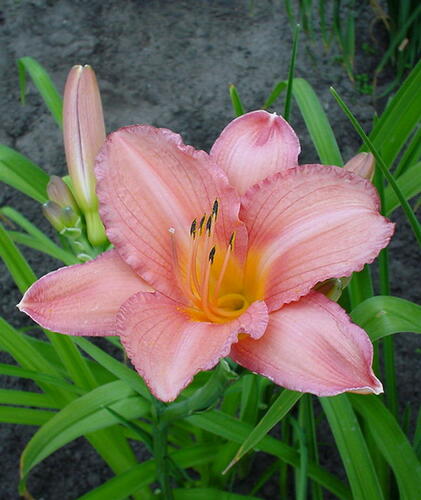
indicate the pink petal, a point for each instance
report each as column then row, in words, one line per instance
column 255, row 146
column 149, row 182
column 312, row 346
column 83, row 299
column 309, row 224
column 167, row 348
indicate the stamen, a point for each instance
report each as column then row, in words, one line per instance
column 204, row 292
column 212, row 255
column 192, row 278
column 224, row 266
column 215, row 209
column 193, row 228
column 231, row 242
column 202, row 221
column 209, row 225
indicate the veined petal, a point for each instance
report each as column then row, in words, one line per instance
column 254, row 146
column 312, row 346
column 167, row 348
column 83, row 299
column 309, row 224
column 150, row 182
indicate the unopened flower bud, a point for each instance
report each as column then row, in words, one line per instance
column 52, row 212
column 61, row 218
column 60, row 193
column 70, row 217
column 363, row 164
column 84, row 134
column 333, row 287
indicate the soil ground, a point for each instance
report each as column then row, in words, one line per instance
column 167, row 64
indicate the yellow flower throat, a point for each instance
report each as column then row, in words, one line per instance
column 211, row 277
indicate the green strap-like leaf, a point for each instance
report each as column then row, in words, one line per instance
column 53, row 250
column 282, row 405
column 236, row 103
column 19, row 172
column 409, row 184
column 24, row 416
column 43, row 83
column 42, row 242
column 382, row 165
column 352, row 448
column 392, row 443
column 82, row 416
column 291, row 72
column 411, row 155
column 208, row 494
column 402, row 114
column 15, row 262
column 234, row 430
column 127, row 483
column 115, row 367
column 26, row 398
column 17, row 371
column 385, row 315
column 317, row 123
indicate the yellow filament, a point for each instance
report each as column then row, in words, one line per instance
column 222, row 273
column 202, row 282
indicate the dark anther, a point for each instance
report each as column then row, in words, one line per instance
column 215, row 208
column 212, row 254
column 209, row 224
column 202, row 221
column 193, row 228
column 231, row 242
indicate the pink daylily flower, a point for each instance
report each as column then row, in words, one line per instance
column 217, row 255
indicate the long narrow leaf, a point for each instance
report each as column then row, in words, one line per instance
column 234, row 430
column 282, row 405
column 44, row 241
column 24, row 416
column 383, row 168
column 401, row 116
column 26, row 398
column 20, row 173
column 317, row 123
column 43, row 83
column 411, row 155
column 82, row 416
column 291, row 71
column 409, row 184
column 237, row 105
column 117, row 368
column 384, row 315
column 54, row 251
column 15, row 262
column 17, row 371
column 392, row 443
column 352, row 448
column 123, row 485
column 276, row 92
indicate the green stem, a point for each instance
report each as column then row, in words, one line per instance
column 203, row 398
column 160, row 448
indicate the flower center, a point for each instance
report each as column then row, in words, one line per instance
column 209, row 275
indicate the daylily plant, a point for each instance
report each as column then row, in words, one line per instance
column 218, row 255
